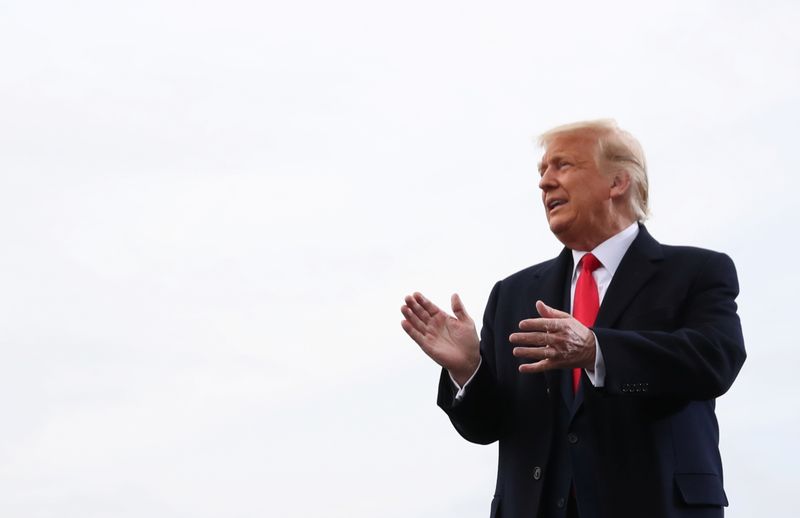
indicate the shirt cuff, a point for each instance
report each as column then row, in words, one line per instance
column 461, row 389
column 598, row 375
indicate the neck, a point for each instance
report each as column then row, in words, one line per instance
column 590, row 242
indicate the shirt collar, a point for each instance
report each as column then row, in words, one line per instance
column 610, row 251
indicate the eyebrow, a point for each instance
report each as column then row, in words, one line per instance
column 553, row 158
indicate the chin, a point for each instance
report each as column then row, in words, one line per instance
column 557, row 227
column 563, row 234
column 560, row 233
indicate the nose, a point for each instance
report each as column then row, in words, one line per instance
column 547, row 180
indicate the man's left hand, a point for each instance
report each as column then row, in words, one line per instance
column 554, row 341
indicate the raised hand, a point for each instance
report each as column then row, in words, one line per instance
column 555, row 341
column 452, row 342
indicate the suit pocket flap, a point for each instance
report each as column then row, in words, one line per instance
column 701, row 489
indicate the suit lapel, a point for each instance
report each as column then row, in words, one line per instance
column 638, row 264
column 552, row 287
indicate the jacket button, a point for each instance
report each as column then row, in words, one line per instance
column 572, row 438
column 561, row 502
column 537, row 473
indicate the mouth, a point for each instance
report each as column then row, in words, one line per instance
column 554, row 204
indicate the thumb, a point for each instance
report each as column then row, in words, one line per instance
column 458, row 308
column 547, row 312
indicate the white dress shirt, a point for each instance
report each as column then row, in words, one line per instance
column 610, row 253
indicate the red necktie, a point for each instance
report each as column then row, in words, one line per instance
column 587, row 302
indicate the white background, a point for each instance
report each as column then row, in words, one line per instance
column 211, row 211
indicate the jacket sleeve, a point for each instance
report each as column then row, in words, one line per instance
column 697, row 360
column 478, row 414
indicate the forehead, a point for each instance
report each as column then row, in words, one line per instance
column 576, row 145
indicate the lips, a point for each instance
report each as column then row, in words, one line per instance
column 554, row 203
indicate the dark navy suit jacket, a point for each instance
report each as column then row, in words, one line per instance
column 646, row 444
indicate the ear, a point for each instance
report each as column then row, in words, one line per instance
column 620, row 183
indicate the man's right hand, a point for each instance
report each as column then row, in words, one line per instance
column 452, row 342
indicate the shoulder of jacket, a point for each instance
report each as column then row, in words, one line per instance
column 694, row 252
column 531, row 271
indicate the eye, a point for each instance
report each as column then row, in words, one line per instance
column 563, row 163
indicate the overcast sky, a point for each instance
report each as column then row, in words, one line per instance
column 211, row 212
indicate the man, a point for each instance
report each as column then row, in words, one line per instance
column 597, row 370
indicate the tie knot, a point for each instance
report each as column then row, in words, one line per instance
column 589, row 263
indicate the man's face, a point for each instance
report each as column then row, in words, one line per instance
column 575, row 193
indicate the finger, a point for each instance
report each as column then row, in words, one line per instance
column 416, row 307
column 548, row 312
column 533, row 353
column 429, row 306
column 535, row 338
column 413, row 319
column 458, row 308
column 544, row 325
column 537, row 367
column 413, row 333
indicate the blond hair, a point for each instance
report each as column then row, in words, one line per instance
column 616, row 149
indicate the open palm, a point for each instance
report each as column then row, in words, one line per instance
column 451, row 341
